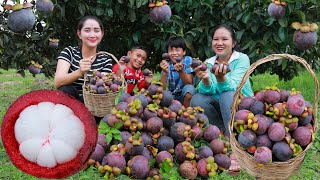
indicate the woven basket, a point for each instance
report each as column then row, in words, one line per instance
column 275, row 170
column 101, row 104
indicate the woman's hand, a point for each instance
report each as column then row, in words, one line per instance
column 220, row 70
column 85, row 64
column 201, row 74
column 164, row 66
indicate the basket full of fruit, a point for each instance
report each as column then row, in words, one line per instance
column 101, row 89
column 272, row 131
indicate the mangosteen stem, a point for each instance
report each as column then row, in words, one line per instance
column 136, row 135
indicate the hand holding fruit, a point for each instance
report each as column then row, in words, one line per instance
column 178, row 66
column 202, row 74
column 219, row 70
column 85, row 64
column 148, row 75
column 164, row 66
column 123, row 62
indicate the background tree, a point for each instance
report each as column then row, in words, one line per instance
column 127, row 23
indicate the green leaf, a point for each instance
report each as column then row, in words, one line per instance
column 114, row 131
column 99, row 11
column 283, row 22
column 131, row 3
column 239, row 34
column 246, row 18
column 117, row 137
column 108, row 138
column 282, row 33
column 118, row 125
column 109, row 12
column 132, row 15
column 231, row 4
column 120, row 1
column 82, row 9
column 136, row 36
column 301, row 15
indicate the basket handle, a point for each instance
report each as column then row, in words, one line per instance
column 124, row 84
column 271, row 58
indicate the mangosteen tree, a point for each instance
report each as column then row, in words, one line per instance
column 128, row 22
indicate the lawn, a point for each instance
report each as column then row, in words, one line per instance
column 13, row 85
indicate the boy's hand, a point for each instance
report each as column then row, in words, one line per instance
column 148, row 78
column 122, row 63
column 178, row 66
column 85, row 64
column 164, row 66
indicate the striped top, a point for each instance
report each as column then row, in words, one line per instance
column 73, row 55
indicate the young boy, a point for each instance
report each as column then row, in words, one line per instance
column 179, row 75
column 132, row 70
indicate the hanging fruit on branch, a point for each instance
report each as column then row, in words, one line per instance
column 160, row 12
column 276, row 9
column 21, row 19
column 305, row 36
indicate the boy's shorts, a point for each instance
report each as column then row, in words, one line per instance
column 186, row 89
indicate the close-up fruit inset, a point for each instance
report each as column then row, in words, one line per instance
column 48, row 134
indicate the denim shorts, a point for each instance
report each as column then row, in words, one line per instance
column 186, row 89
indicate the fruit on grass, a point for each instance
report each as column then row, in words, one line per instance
column 222, row 160
column 207, row 167
column 263, row 155
column 162, row 155
column 188, row 169
column 282, row 151
column 160, row 15
column 21, row 21
column 276, row 10
column 154, row 125
column 302, row 136
column 177, row 131
column 204, row 152
column 211, row 132
column 165, row 143
column 184, row 151
column 48, row 134
column 154, row 174
column 247, row 138
column 134, row 146
column 138, row 167
column 114, row 159
column 167, row 98
column 98, row 153
column 44, row 6
column 217, row 146
column 276, row 132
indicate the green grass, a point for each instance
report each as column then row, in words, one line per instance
column 12, row 86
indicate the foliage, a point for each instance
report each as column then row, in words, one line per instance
column 110, row 132
column 126, row 23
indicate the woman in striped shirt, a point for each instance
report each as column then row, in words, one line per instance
column 74, row 62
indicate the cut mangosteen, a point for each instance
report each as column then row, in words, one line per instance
column 48, row 134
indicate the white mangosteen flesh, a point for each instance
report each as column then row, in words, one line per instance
column 54, row 136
